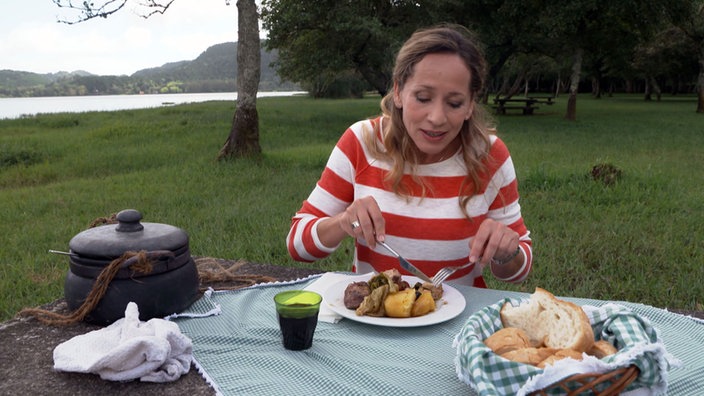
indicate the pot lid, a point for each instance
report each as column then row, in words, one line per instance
column 129, row 234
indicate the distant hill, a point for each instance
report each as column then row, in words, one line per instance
column 15, row 79
column 217, row 62
column 214, row 70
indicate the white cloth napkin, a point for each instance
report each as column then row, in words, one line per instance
column 153, row 351
column 322, row 285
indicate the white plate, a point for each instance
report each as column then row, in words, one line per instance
column 448, row 307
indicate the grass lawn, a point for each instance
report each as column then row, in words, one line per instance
column 637, row 239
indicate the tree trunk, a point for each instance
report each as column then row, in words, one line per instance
column 244, row 133
column 596, row 87
column 655, row 88
column 700, row 80
column 517, row 83
column 574, row 85
column 675, row 85
column 505, row 82
column 378, row 79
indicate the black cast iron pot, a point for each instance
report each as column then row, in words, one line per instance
column 168, row 285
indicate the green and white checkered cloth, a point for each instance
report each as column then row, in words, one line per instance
column 237, row 348
column 634, row 336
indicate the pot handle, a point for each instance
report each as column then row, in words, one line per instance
column 128, row 221
column 155, row 255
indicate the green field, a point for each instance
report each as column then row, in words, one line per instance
column 638, row 239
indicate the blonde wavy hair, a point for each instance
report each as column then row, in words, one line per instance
column 474, row 134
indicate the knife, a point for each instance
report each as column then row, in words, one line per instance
column 406, row 265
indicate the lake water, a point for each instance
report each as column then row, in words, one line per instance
column 18, row 107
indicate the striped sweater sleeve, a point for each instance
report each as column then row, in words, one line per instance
column 505, row 205
column 332, row 194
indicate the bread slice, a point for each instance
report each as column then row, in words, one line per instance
column 551, row 322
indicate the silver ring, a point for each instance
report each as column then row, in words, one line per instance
column 355, row 225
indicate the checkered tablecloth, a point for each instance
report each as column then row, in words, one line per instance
column 239, row 350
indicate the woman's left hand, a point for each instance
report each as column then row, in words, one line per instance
column 493, row 240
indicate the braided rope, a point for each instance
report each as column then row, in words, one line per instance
column 100, row 287
column 210, row 271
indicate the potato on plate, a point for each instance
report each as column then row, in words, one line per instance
column 424, row 304
column 400, row 304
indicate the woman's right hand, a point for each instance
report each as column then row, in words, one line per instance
column 363, row 219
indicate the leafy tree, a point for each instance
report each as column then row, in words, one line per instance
column 665, row 59
column 688, row 16
column 591, row 32
column 595, row 38
column 513, row 41
column 319, row 41
column 243, row 139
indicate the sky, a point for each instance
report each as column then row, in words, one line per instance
column 32, row 40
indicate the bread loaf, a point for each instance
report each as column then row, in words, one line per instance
column 506, row 340
column 529, row 355
column 559, row 355
column 550, row 322
column 602, row 348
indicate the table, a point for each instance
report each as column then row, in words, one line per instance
column 527, row 105
column 548, row 100
column 26, row 347
column 240, row 351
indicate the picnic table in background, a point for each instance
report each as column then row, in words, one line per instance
column 526, row 104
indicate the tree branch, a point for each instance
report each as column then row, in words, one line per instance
column 159, row 8
column 88, row 10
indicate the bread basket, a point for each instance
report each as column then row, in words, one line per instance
column 599, row 384
column 642, row 361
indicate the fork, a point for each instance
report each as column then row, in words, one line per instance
column 445, row 273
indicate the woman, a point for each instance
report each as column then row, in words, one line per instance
column 428, row 176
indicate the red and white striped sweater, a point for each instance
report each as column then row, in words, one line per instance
column 432, row 231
